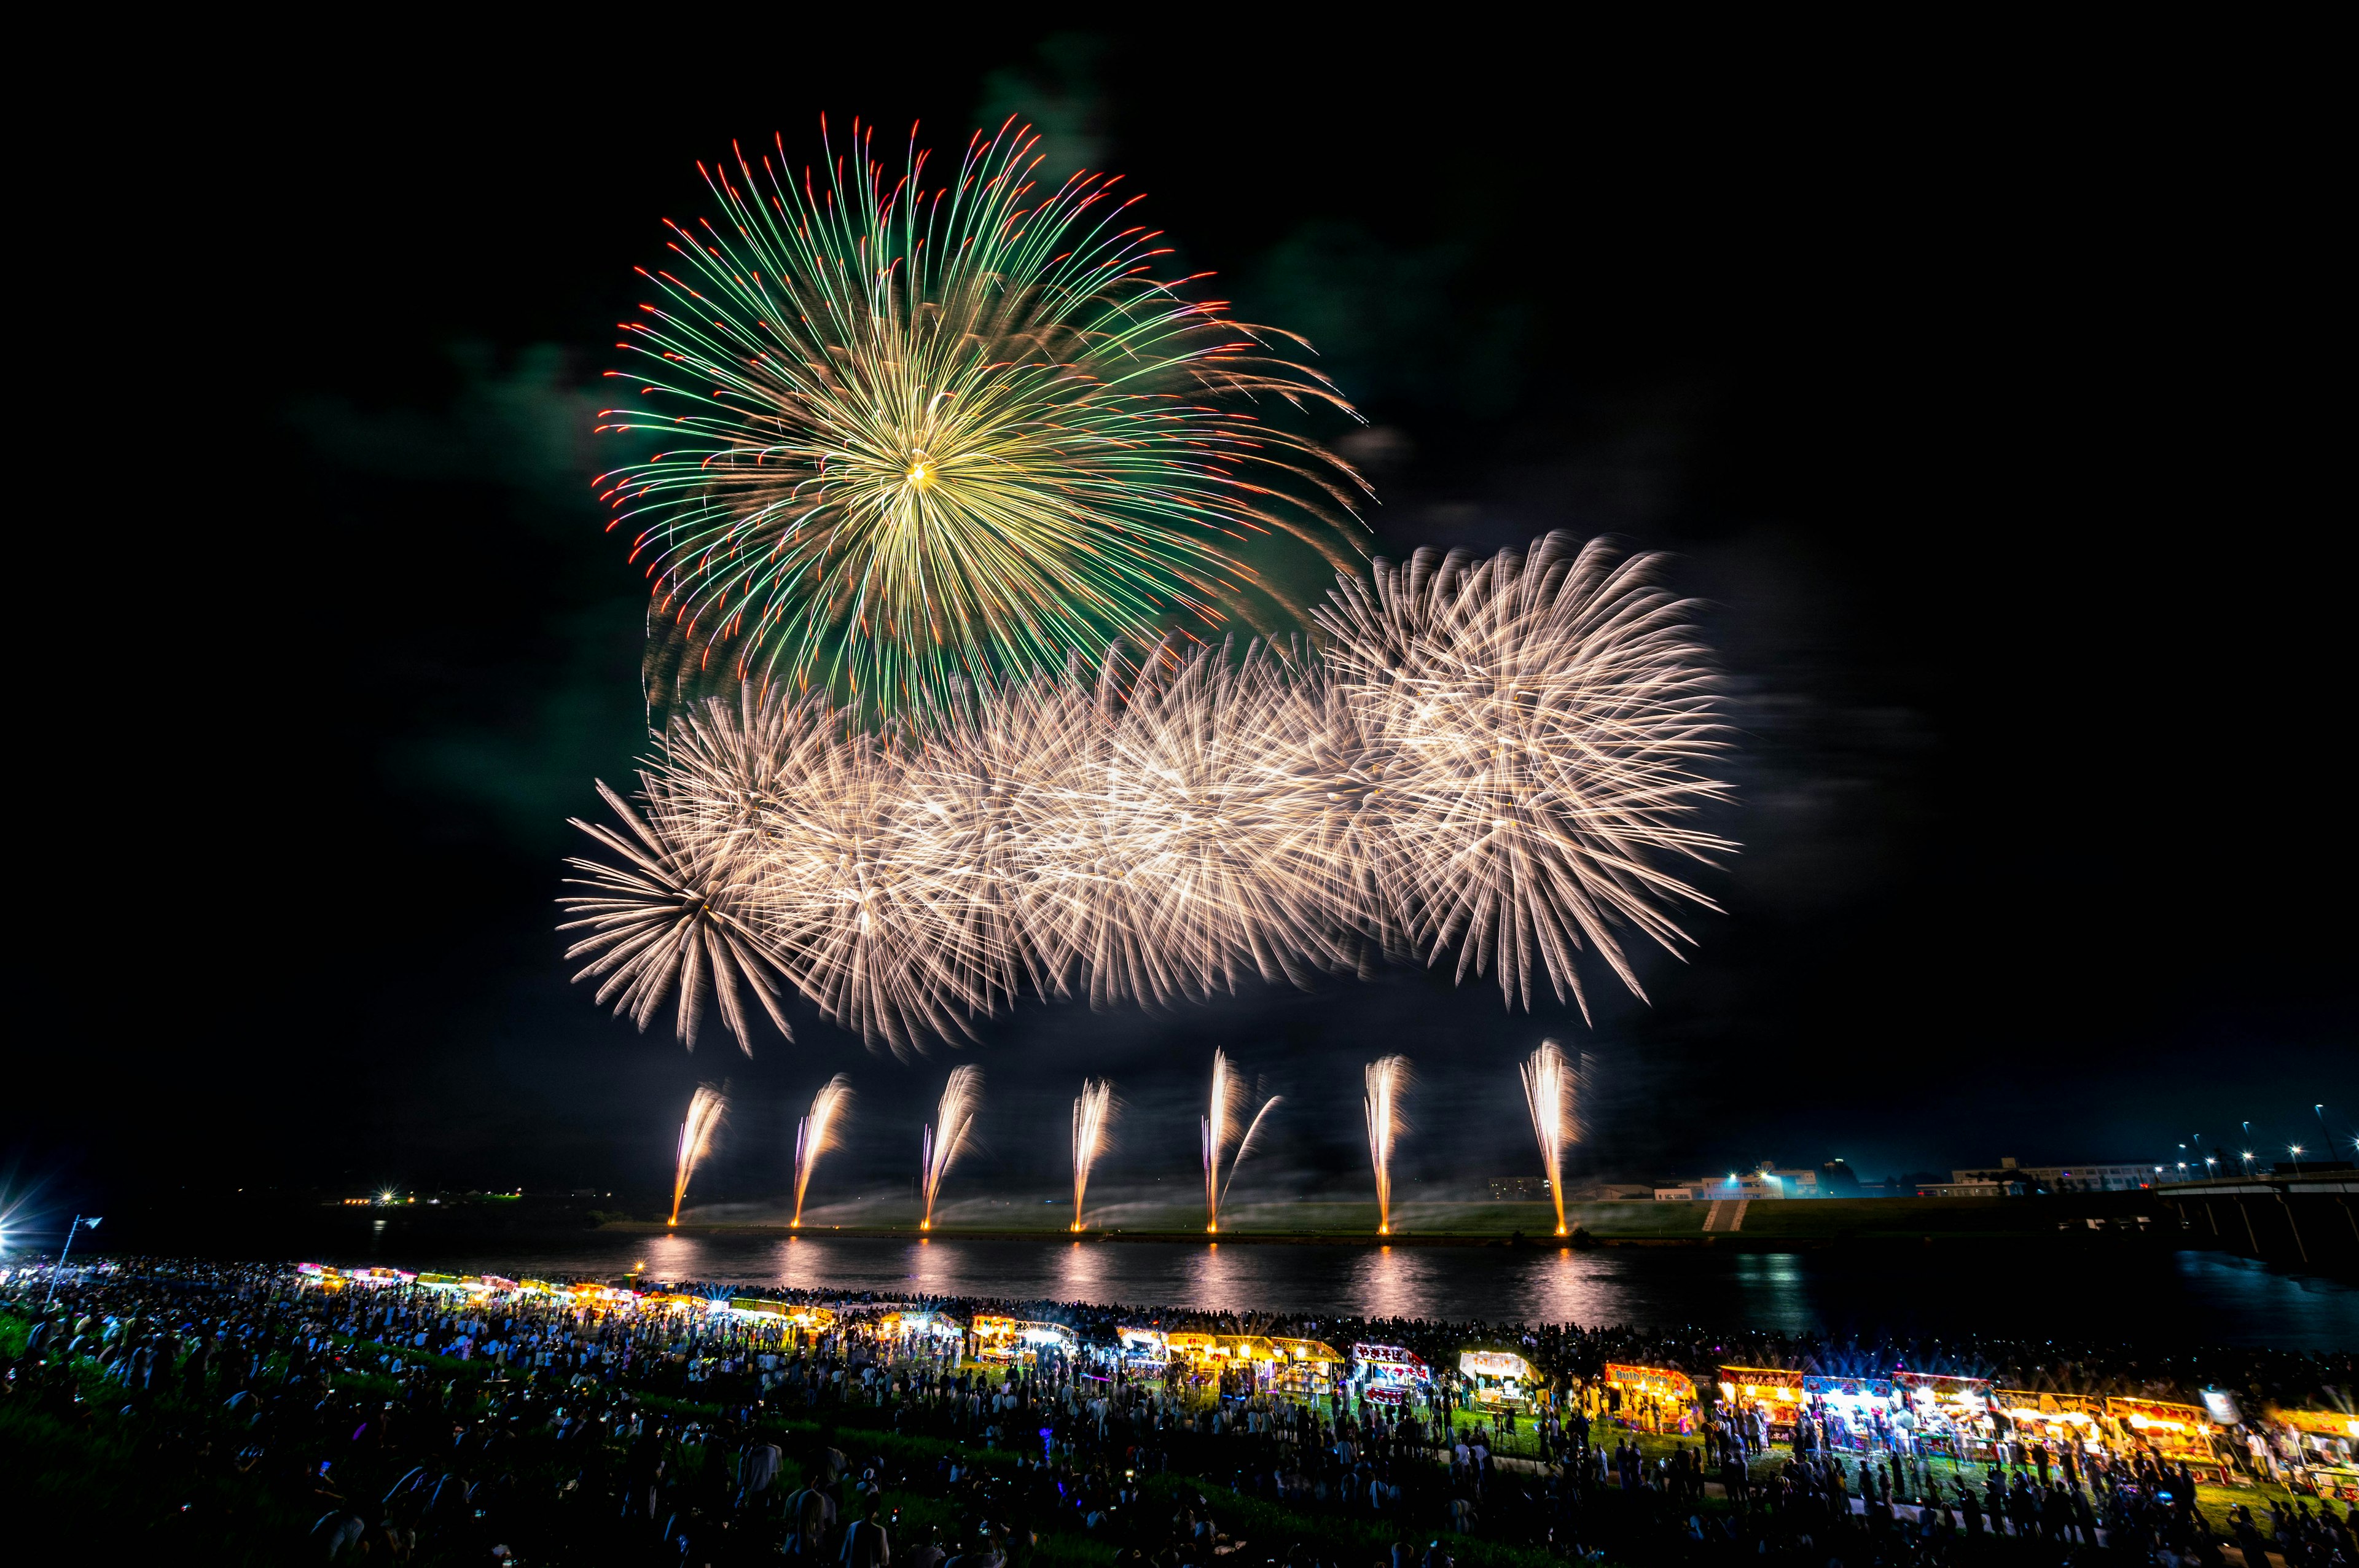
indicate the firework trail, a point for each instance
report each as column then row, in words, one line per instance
column 1228, row 1113
column 1387, row 1080
column 1496, row 755
column 705, row 1109
column 1548, row 1091
column 816, row 1133
column 913, row 436
column 953, row 1119
column 1093, row 1112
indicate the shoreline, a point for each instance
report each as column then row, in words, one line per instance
column 1726, row 1242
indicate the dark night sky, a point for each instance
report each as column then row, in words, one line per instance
column 1972, row 390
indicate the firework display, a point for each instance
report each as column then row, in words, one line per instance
column 953, row 1119
column 1548, row 1092
column 705, row 1109
column 912, row 436
column 1225, row 1124
column 1387, row 1080
column 1092, row 1113
column 816, row 1134
column 1500, row 755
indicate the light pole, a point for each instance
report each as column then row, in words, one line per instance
column 78, row 1222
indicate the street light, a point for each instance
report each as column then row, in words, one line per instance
column 78, row 1222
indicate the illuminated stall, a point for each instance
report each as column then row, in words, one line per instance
column 923, row 1328
column 1950, row 1417
column 1653, row 1399
column 2179, row 1434
column 1302, row 1368
column 2062, row 1421
column 2329, row 1442
column 1502, row 1379
column 1143, row 1351
column 1775, row 1392
column 1856, row 1411
column 1010, row 1338
column 1390, row 1374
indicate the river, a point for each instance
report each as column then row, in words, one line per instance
column 2169, row 1298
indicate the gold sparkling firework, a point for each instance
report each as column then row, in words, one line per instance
column 705, row 1109
column 1221, row 1128
column 1387, row 1080
column 953, row 1119
column 816, row 1133
column 1501, row 755
column 1092, row 1114
column 1548, row 1093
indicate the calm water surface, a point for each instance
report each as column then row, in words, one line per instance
column 2184, row 1297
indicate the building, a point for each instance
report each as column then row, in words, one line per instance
column 1518, row 1189
column 2085, row 1178
column 1675, row 1194
column 1974, row 1189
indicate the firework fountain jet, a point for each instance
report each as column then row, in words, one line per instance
column 1092, row 1114
column 1387, row 1081
column 815, row 1134
column 954, row 1118
column 1228, row 1112
column 704, row 1113
column 1549, row 1081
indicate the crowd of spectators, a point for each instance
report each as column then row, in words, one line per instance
column 210, row 1409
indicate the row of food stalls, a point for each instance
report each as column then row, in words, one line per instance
column 1966, row 1419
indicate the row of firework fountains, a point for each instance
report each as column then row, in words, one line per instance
column 1228, row 1130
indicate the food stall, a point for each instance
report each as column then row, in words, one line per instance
column 1502, row 1379
column 923, row 1328
column 1775, row 1392
column 1857, row 1412
column 1390, row 1374
column 2181, row 1434
column 1010, row 1338
column 2329, row 1444
column 2062, row 1421
column 1143, row 1351
column 1949, row 1417
column 1653, row 1399
column 1302, row 1368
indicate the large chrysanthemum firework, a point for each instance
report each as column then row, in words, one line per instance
column 1497, row 755
column 913, row 436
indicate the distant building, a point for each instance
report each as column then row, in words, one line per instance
column 1976, row 1189
column 1518, row 1189
column 2088, row 1178
column 1675, row 1194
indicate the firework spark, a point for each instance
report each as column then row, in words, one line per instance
column 816, row 1133
column 1548, row 1092
column 1092, row 1113
column 915, row 436
column 1499, row 755
column 1228, row 1115
column 953, row 1119
column 1387, row 1080
column 705, row 1109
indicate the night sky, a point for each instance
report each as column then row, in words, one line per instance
column 1978, row 398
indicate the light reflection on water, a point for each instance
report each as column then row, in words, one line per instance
column 2190, row 1296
